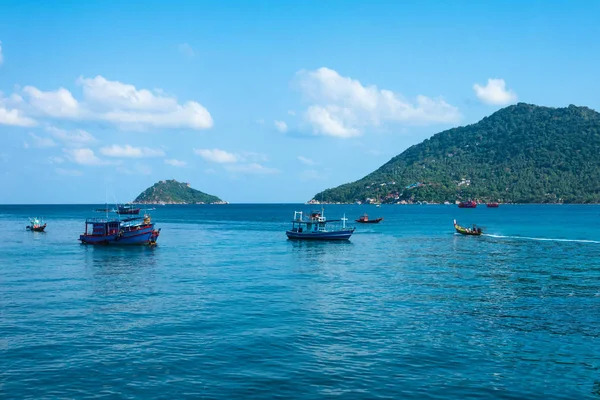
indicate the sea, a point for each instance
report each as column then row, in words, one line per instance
column 226, row 307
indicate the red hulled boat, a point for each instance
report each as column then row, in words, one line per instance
column 467, row 204
column 364, row 219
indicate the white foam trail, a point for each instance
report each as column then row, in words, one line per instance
column 543, row 239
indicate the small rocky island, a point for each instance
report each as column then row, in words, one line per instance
column 174, row 192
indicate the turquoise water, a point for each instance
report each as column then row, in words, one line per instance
column 226, row 307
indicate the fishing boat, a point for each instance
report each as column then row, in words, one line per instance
column 127, row 210
column 315, row 227
column 36, row 225
column 492, row 205
column 467, row 204
column 474, row 231
column 364, row 219
column 128, row 231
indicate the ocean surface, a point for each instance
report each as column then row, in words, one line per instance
column 225, row 307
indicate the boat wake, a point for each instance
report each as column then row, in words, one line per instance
column 543, row 239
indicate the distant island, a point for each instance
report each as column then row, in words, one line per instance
column 173, row 192
column 520, row 154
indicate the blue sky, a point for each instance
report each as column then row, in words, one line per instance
column 264, row 101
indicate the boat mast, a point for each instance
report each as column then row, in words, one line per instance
column 344, row 219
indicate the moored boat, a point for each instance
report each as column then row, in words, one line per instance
column 36, row 225
column 127, row 210
column 492, row 205
column 315, row 228
column 128, row 231
column 467, row 204
column 474, row 231
column 364, row 219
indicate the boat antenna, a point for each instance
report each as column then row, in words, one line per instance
column 344, row 219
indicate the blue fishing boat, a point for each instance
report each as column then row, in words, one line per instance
column 128, row 231
column 315, row 227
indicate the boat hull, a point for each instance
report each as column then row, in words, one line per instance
column 464, row 231
column 333, row 235
column 134, row 211
column 370, row 221
column 36, row 228
column 146, row 235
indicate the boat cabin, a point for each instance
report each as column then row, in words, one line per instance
column 101, row 227
column 316, row 223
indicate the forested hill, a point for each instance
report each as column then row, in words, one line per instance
column 173, row 192
column 522, row 154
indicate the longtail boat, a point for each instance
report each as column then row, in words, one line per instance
column 36, row 225
column 315, row 227
column 474, row 231
column 128, row 231
column 364, row 219
column 492, row 205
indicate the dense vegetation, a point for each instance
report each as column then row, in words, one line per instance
column 522, row 153
column 173, row 192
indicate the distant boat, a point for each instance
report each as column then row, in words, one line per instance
column 36, row 225
column 474, row 231
column 315, row 228
column 493, row 205
column 364, row 219
column 129, row 231
column 127, row 210
column 467, row 204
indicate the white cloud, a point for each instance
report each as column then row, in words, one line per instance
column 306, row 161
column 41, row 142
column 332, row 121
column 281, row 126
column 130, row 151
column 175, row 163
column 14, row 117
column 68, row 172
column 260, row 121
column 186, row 50
column 111, row 101
column 217, row 155
column 59, row 103
column 252, row 168
column 495, row 92
column 84, row 156
column 343, row 107
column 76, row 138
column 292, row 113
column 1, row 56
column 111, row 95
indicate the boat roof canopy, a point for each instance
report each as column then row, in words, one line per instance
column 316, row 222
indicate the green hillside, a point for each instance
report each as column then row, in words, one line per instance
column 173, row 192
column 522, row 154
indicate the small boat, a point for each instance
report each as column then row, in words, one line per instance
column 364, row 219
column 36, row 225
column 128, row 231
column 492, row 205
column 467, row 204
column 127, row 210
column 315, row 228
column 474, row 231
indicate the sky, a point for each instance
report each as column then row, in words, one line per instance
column 264, row 101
